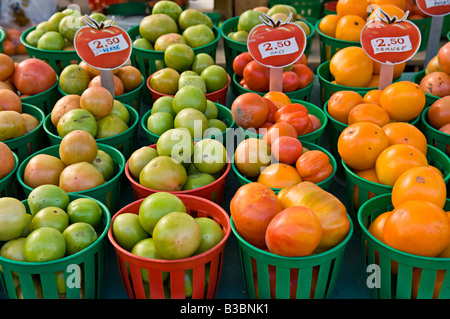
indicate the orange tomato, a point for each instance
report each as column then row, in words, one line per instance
column 398, row 3
column 314, row 166
column 397, row 159
column 398, row 69
column 377, row 225
column 373, row 96
column 349, row 28
column 7, row 67
column 279, row 175
column 286, row 149
column 419, row 183
column 351, row 66
column 280, row 99
column 405, row 133
column 417, row 227
column 367, row 174
column 403, row 100
column 367, row 112
column 360, row 144
column 374, row 81
column 340, row 104
column 356, row 7
column 277, row 130
column 327, row 25
column 9, row 48
column 444, row 57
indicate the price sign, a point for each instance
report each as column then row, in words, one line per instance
column 108, row 45
column 391, row 44
column 434, row 7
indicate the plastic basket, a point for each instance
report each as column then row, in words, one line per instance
column 58, row 60
column 124, row 142
column 146, row 60
column 128, row 8
column 130, row 266
column 306, row 8
column 429, row 99
column 108, row 193
column 219, row 96
column 234, row 48
column 215, row 17
column 316, row 279
column 33, row 141
column 448, row 34
column 45, row 100
column 91, row 262
column 224, row 114
column 213, row 192
column 303, row 94
column 424, row 26
column 2, row 37
column 313, row 137
column 325, row 184
column 438, row 139
column 398, row 285
column 8, row 184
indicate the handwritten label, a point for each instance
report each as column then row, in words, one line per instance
column 108, row 45
column 279, row 47
column 436, row 3
column 388, row 44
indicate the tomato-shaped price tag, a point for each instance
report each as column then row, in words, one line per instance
column 275, row 44
column 390, row 41
column 434, row 7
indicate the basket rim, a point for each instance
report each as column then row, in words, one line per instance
column 194, row 258
column 385, row 246
column 136, row 185
column 213, row 43
column 333, row 162
column 65, row 259
column 2, row 34
column 47, row 122
column 25, row 136
column 42, row 51
column 425, row 122
column 147, row 114
column 117, row 176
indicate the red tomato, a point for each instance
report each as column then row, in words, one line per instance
column 290, row 81
column 272, row 110
column 240, row 61
column 257, row 77
column 304, row 74
column 315, row 121
column 296, row 115
column 33, row 76
column 264, row 127
column 249, row 110
column 286, row 149
column 302, row 60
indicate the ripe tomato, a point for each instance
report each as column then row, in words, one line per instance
column 277, row 130
column 249, row 110
column 240, row 61
column 327, row 25
column 419, row 183
column 286, row 149
column 405, row 133
column 340, row 104
column 272, row 110
column 353, row 7
column 397, row 159
column 360, row 144
column 377, row 225
column 351, row 66
column 444, row 58
column 417, row 227
column 373, row 96
column 279, row 175
column 368, row 112
column 403, row 100
column 315, row 121
column 257, row 77
column 305, row 75
column 252, row 208
column 264, row 127
column 367, row 174
column 439, row 113
column 9, row 100
column 280, row 99
column 349, row 28
column 6, row 67
column 296, row 115
column 33, row 76
column 401, row 4
column 290, row 81
column 314, row 166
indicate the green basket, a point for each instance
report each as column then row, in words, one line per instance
column 31, row 142
column 424, row 26
column 128, row 8
column 438, row 139
column 215, row 17
column 91, row 262
column 124, row 142
column 108, row 193
column 320, row 271
column 329, row 45
column 301, row 95
column 45, row 100
column 306, row 8
column 58, row 60
column 435, row 157
column 325, row 184
column 8, row 184
column 398, row 286
column 313, row 137
column 2, row 37
column 448, row 34
column 224, row 114
column 234, row 48
column 146, row 60
column 429, row 99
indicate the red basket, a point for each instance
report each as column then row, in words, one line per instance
column 213, row 192
column 204, row 287
column 219, row 96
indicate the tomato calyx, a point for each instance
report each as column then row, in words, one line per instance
column 386, row 18
column 268, row 21
column 95, row 25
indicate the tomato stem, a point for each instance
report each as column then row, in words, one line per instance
column 95, row 25
column 386, row 18
column 271, row 22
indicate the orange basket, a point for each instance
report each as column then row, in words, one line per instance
column 213, row 192
column 218, row 96
column 206, row 267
